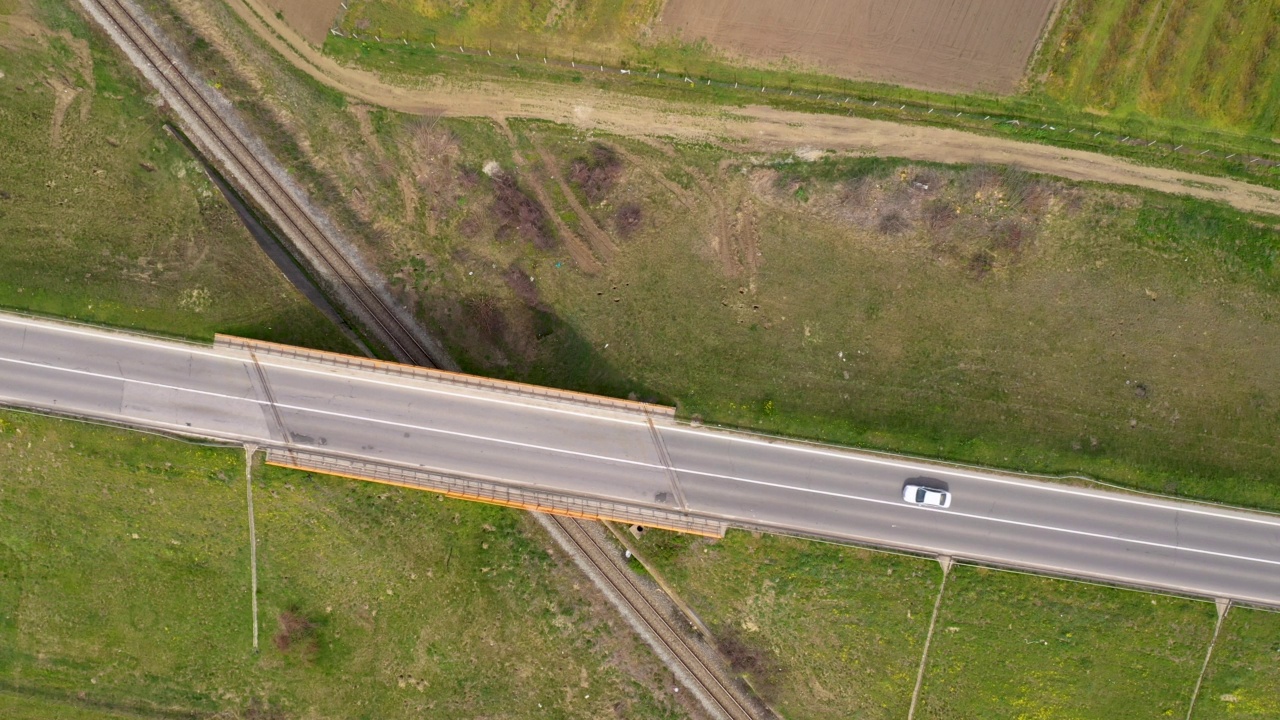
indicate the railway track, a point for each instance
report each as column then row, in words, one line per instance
column 705, row 674
column 221, row 141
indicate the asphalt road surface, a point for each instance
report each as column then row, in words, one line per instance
column 622, row 455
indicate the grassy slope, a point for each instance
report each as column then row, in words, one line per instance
column 117, row 223
column 822, row 631
column 23, row 707
column 1243, row 678
column 1016, row 646
column 126, row 572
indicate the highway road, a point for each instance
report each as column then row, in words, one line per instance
column 629, row 454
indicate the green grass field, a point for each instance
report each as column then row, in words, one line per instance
column 112, row 221
column 821, row 631
column 1017, row 646
column 1214, row 63
column 126, row 593
column 1243, row 677
column 25, row 707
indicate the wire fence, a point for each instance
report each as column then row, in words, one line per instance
column 866, row 100
column 497, row 493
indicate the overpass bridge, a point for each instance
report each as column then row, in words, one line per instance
column 594, row 457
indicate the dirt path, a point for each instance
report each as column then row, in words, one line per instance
column 601, row 244
column 749, row 128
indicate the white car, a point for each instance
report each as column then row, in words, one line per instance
column 926, row 496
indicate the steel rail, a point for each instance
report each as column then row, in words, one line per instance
column 628, row 589
column 390, row 329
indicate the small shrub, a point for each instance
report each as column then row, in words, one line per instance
column 981, row 263
column 893, row 223
column 628, row 218
column 747, row 659
column 939, row 214
column 296, row 631
column 596, row 173
column 519, row 214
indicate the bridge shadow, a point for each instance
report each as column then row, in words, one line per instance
column 545, row 349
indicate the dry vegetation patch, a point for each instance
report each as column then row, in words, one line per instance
column 517, row 214
column 297, row 633
column 596, row 172
column 982, row 219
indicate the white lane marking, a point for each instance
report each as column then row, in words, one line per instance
column 847, row 457
column 653, row 466
column 345, row 416
column 1019, row 523
column 1170, row 505
column 326, row 370
column 117, row 378
column 470, row 436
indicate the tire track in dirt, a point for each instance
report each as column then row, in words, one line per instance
column 63, row 96
column 601, row 244
column 746, row 128
column 578, row 250
column 726, row 240
column 680, row 193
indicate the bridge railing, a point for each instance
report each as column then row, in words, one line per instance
column 443, row 376
column 496, row 493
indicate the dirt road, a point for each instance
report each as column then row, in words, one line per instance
column 752, row 128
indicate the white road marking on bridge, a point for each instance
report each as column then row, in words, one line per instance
column 118, row 378
column 331, row 413
column 472, row 436
column 329, row 370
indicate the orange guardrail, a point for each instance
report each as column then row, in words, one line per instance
column 495, row 493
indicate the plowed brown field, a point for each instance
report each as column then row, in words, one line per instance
column 934, row 44
column 311, row 18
